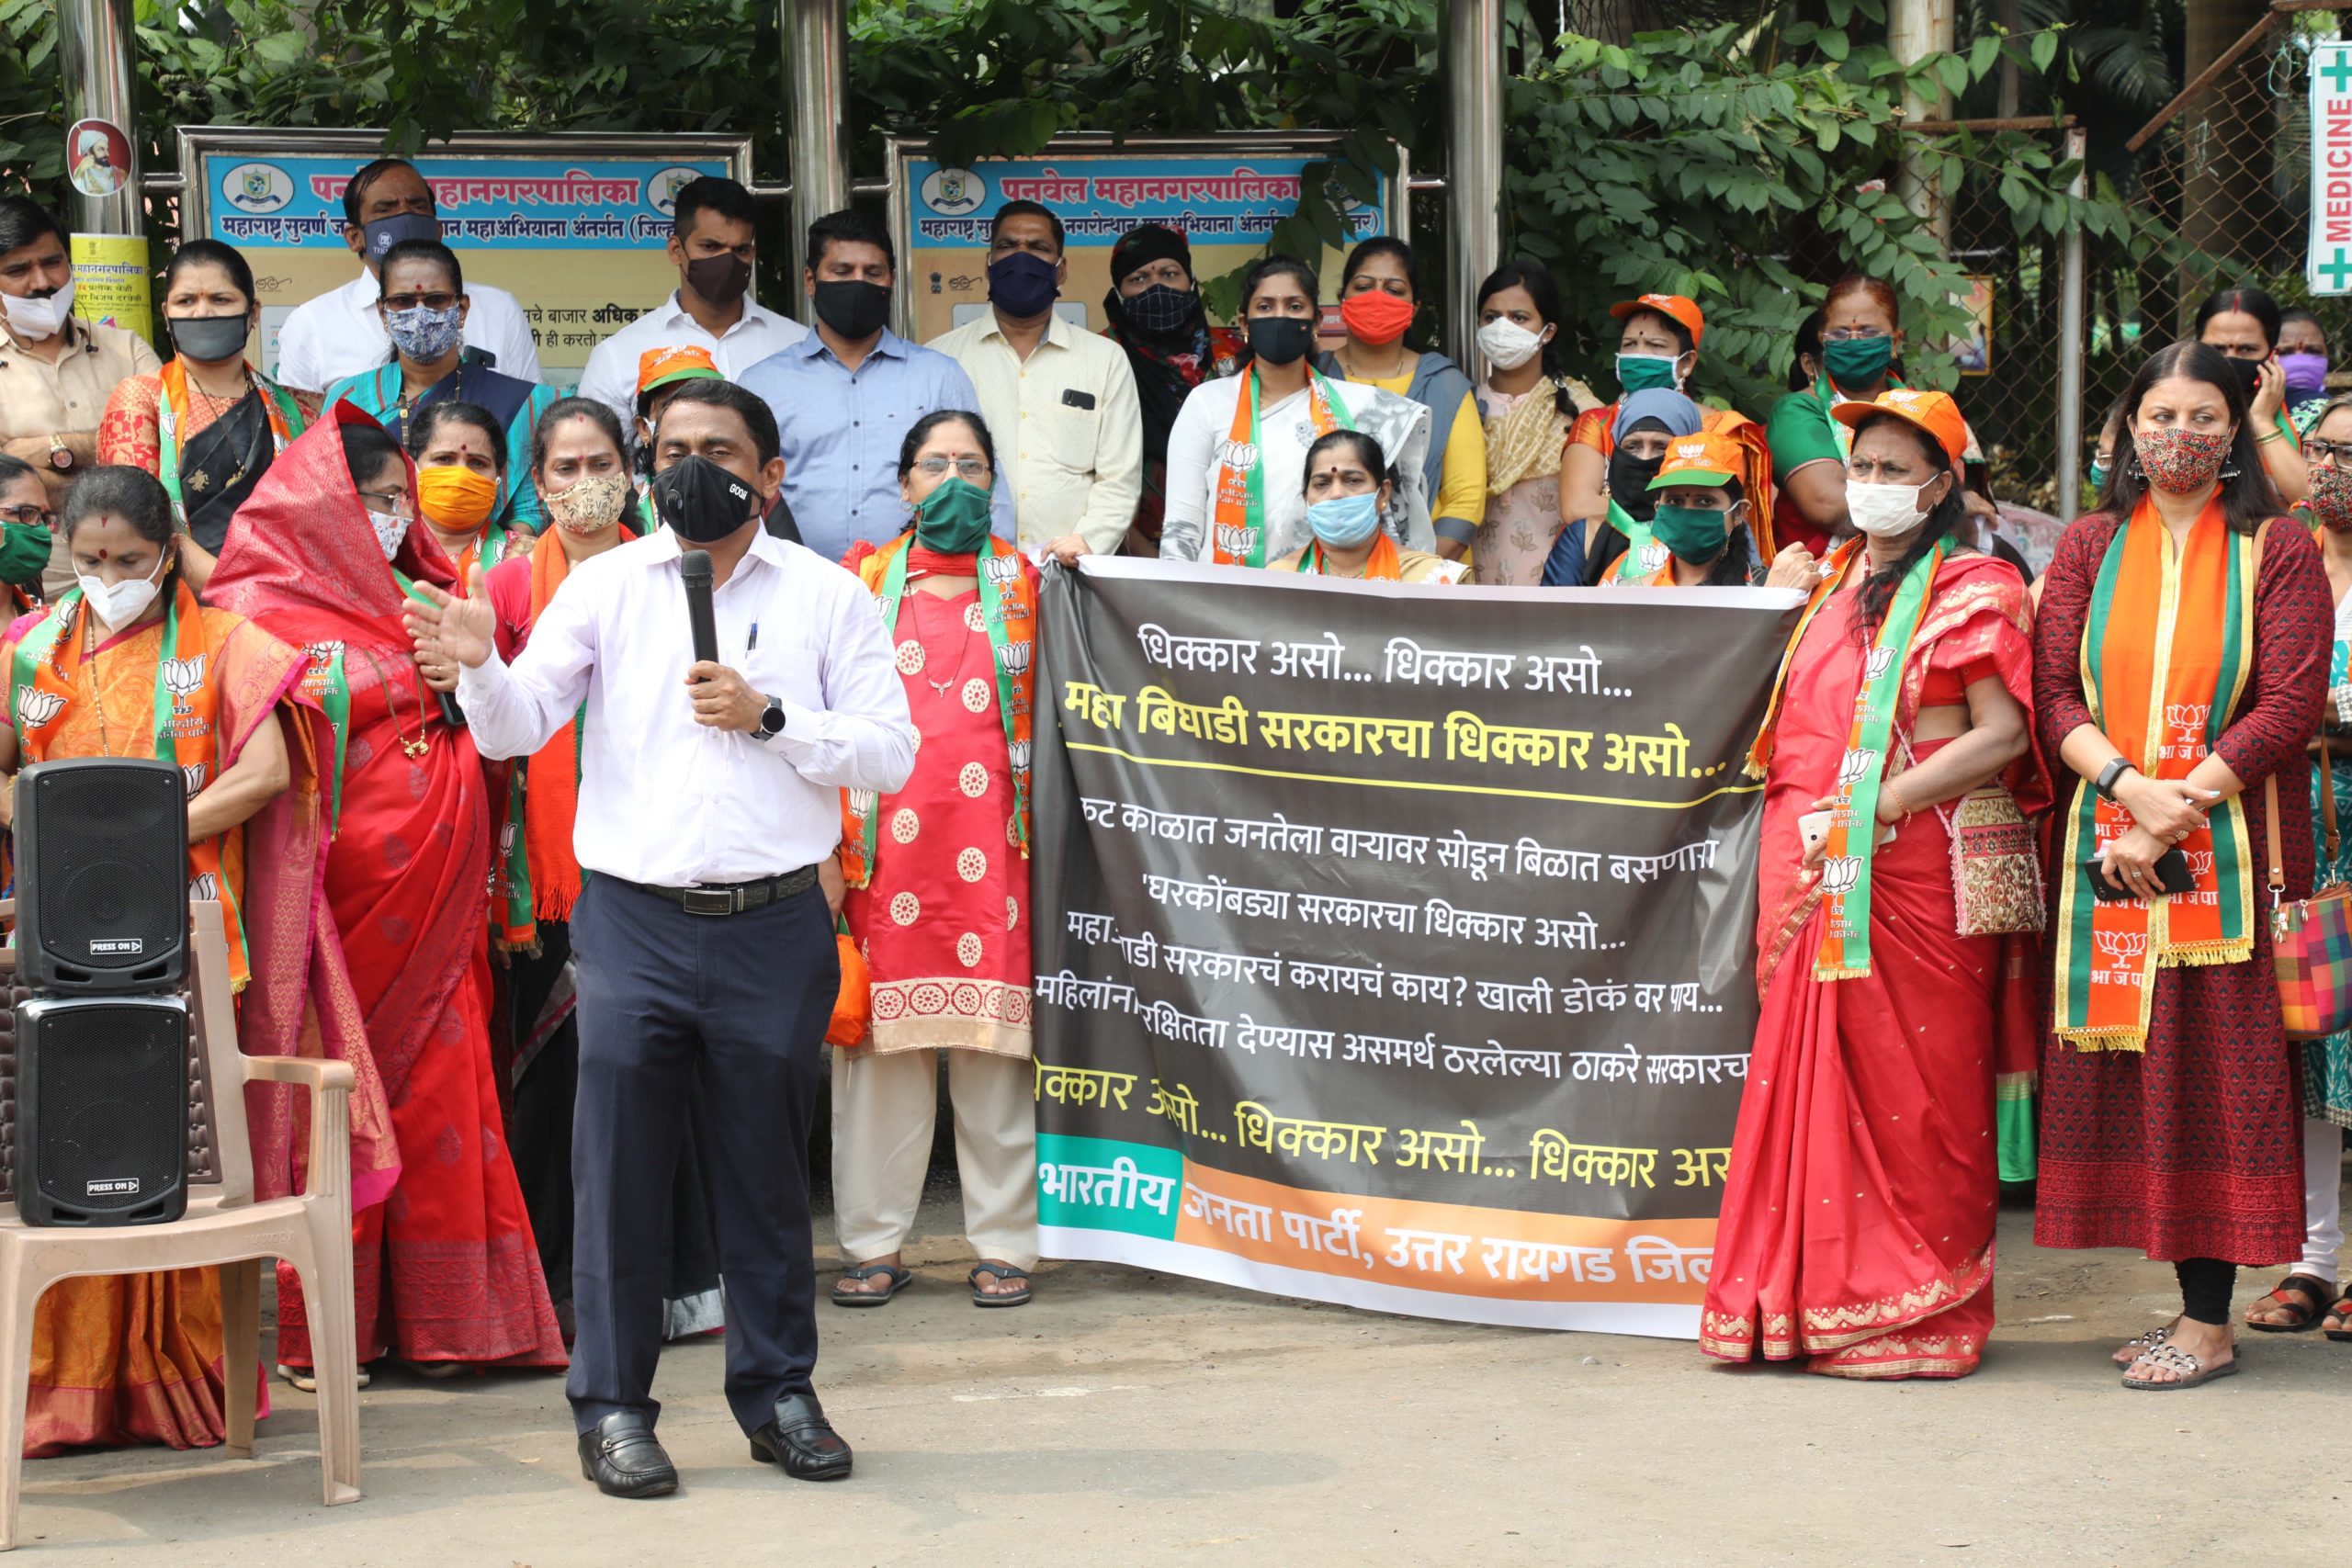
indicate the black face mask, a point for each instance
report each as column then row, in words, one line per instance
column 721, row 279
column 1161, row 311
column 1281, row 340
column 702, row 503
column 852, row 307
column 1629, row 482
column 207, row 339
column 2249, row 375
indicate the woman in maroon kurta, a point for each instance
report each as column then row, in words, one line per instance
column 2183, row 1140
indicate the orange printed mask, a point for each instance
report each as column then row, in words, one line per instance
column 456, row 499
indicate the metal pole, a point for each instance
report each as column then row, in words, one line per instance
column 95, row 41
column 1915, row 30
column 2071, row 345
column 816, row 55
column 1473, row 90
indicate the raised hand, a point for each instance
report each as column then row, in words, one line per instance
column 450, row 630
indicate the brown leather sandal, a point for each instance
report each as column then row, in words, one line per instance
column 2305, row 1300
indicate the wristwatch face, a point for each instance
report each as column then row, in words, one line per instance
column 61, row 456
column 772, row 721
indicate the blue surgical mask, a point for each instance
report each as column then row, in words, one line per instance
column 1345, row 520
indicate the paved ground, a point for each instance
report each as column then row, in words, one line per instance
column 1128, row 1418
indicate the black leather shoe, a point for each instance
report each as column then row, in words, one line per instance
column 624, row 1457
column 802, row 1440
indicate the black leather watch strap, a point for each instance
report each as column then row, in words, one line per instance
column 2105, row 783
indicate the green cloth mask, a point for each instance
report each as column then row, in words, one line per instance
column 1694, row 533
column 1646, row 372
column 953, row 519
column 1858, row 361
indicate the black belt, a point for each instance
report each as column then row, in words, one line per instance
column 732, row 897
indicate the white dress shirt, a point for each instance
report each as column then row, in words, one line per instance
column 339, row 334
column 611, row 375
column 668, row 802
column 1068, row 432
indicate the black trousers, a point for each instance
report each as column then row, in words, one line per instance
column 743, row 1002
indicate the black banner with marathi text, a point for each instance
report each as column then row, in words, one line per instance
column 1394, row 945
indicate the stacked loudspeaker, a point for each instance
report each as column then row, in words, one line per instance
column 102, row 923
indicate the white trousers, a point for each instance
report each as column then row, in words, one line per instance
column 2322, row 1198
column 884, row 1109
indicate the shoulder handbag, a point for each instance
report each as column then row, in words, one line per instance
column 1995, row 861
column 2310, row 939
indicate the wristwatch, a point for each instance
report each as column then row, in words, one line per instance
column 61, row 456
column 771, row 721
column 2105, row 783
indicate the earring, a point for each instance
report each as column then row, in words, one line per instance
column 2229, row 471
column 2131, row 466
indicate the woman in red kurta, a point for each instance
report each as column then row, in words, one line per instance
column 2170, row 1108
column 447, row 1269
column 1857, row 1226
column 939, row 888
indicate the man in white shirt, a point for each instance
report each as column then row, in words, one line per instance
column 709, row 792
column 714, row 245
column 1061, row 401
column 339, row 334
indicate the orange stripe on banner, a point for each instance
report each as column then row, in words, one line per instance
column 1508, row 1254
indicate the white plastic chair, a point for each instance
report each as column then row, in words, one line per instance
column 223, row 1226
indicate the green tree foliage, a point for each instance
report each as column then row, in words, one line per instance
column 1745, row 164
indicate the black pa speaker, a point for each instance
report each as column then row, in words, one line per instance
column 102, row 885
column 102, row 1110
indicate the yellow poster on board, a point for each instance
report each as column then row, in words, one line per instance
column 110, row 283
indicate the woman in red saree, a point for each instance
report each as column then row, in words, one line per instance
column 446, row 1267
column 1857, row 1226
column 138, row 1357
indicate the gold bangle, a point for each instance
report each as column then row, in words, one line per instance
column 2274, row 436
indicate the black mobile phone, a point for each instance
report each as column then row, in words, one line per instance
column 2172, row 876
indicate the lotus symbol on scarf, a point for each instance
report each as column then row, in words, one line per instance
column 204, row 884
column 1840, row 873
column 2124, row 945
column 1875, row 666
column 1019, row 751
column 325, row 653
column 1654, row 556
column 35, row 707
column 2187, row 718
column 1015, row 656
column 2201, row 864
column 1236, row 541
column 1854, row 764
column 192, row 775
column 861, row 803
column 1238, row 456
column 183, row 677
column 1002, row 570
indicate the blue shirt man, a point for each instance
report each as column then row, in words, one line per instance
column 846, row 395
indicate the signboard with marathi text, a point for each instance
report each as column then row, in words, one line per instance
column 1226, row 193
column 1395, row 947
column 575, row 226
column 2328, row 266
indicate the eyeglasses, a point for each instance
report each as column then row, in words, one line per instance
column 395, row 501
column 974, row 469
column 29, row 516
column 2335, row 454
column 1849, row 334
column 441, row 301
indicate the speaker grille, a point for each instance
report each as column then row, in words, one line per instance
column 102, row 856
column 105, row 1116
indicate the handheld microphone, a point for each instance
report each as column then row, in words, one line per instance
column 694, row 566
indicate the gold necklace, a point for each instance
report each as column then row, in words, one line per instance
column 89, row 670
column 423, row 741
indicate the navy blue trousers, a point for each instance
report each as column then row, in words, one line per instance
column 743, row 1001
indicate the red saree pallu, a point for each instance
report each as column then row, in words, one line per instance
column 1858, row 1219
column 446, row 1266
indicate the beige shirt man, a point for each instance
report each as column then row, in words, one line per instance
column 60, row 387
column 1068, row 430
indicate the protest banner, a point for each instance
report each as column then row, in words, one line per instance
column 575, row 225
column 1394, row 946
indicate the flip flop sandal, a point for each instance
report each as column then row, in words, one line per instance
column 2342, row 1312
column 899, row 1280
column 2139, row 1344
column 1003, row 1271
column 306, row 1381
column 2305, row 1299
column 2173, row 1359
